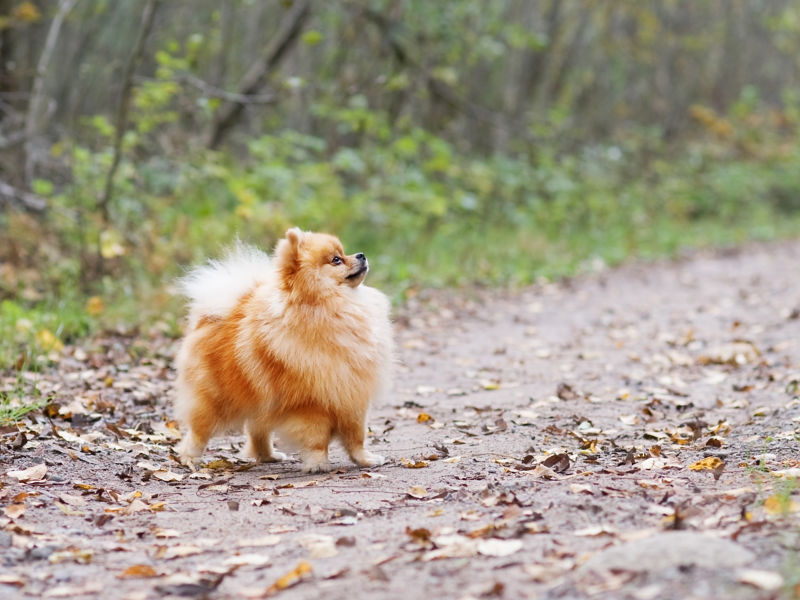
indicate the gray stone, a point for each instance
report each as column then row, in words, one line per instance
column 669, row 550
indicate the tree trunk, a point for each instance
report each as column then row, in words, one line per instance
column 230, row 112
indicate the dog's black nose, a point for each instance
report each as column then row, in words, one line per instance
column 360, row 256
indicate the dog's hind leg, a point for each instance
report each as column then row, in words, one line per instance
column 352, row 433
column 259, row 443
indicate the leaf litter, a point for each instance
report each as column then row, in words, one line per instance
column 544, row 452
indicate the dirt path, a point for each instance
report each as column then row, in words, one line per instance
column 541, row 445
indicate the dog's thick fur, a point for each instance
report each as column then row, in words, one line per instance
column 294, row 344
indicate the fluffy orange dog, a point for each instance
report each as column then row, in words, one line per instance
column 292, row 343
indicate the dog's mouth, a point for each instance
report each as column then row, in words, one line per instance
column 358, row 274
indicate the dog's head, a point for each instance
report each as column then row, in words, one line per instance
column 314, row 265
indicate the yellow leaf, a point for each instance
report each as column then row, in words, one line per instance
column 290, row 579
column 424, row 418
column 417, row 491
column 111, row 244
column 95, row 306
column 48, row 341
column 26, row 12
column 709, row 463
column 778, row 505
column 410, row 464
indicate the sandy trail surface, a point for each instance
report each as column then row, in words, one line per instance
column 627, row 434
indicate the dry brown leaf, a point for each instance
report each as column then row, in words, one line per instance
column 14, row 511
column 72, row 500
column 138, row 572
column 557, row 462
column 167, row 476
column 29, row 475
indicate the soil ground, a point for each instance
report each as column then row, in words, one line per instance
column 625, row 434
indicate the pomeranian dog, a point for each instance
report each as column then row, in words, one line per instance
column 292, row 343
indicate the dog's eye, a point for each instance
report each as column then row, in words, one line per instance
column 336, row 260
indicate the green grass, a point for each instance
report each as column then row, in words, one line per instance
column 23, row 397
column 432, row 218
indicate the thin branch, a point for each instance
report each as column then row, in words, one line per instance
column 35, row 121
column 12, row 195
column 121, row 123
column 290, row 28
column 214, row 92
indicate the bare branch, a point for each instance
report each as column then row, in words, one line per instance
column 121, row 123
column 290, row 28
column 214, row 92
column 12, row 195
column 35, row 120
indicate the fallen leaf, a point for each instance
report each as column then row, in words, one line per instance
column 170, row 552
column 68, row 510
column 710, row 463
column 31, row 474
column 410, row 464
column 66, row 590
column 14, row 511
column 417, row 491
column 595, row 531
column 291, row 578
column 496, row 547
column 736, row 353
column 424, row 418
column 557, row 462
column 318, row 545
column 166, row 533
column 451, row 546
column 267, row 540
column 780, row 505
column 72, row 500
column 138, row 572
column 247, row 560
column 167, row 476
column 769, row 581
column 9, row 579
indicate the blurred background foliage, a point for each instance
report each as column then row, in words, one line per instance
column 486, row 142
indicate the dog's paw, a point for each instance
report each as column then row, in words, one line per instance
column 187, row 454
column 275, row 457
column 369, row 459
column 315, row 463
column 271, row 457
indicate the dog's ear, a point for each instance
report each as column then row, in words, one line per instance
column 286, row 258
column 295, row 236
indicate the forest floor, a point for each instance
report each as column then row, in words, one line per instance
column 630, row 433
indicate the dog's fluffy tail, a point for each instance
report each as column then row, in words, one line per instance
column 214, row 289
